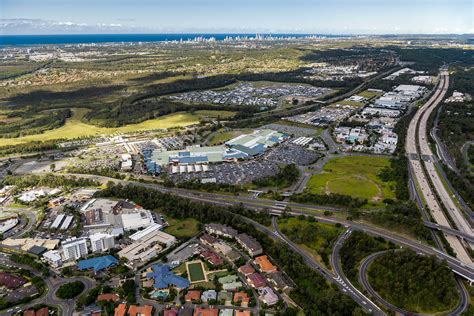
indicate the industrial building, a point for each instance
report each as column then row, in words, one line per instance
column 103, row 213
column 136, row 219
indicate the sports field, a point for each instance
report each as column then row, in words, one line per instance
column 196, row 272
column 75, row 128
column 355, row 176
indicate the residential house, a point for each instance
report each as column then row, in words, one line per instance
column 264, row 264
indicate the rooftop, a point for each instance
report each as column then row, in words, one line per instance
column 164, row 277
column 98, row 263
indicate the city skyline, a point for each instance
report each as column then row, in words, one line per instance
column 212, row 16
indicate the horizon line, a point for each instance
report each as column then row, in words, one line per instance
column 241, row 33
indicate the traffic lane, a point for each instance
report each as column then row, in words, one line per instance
column 360, row 299
column 363, row 280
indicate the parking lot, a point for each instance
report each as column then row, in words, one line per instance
column 232, row 173
column 289, row 154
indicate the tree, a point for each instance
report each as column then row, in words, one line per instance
column 70, row 290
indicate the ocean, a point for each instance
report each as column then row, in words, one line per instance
column 14, row 40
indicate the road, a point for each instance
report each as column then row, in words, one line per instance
column 416, row 135
column 449, row 230
column 425, row 151
column 31, row 221
column 345, row 287
column 363, row 280
column 441, row 150
column 296, row 209
column 52, row 285
column 336, row 264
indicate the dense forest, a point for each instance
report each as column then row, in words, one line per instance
column 29, row 147
column 430, row 59
column 312, row 292
column 27, row 123
column 402, row 216
column 48, row 180
column 329, row 199
column 357, row 247
column 412, row 282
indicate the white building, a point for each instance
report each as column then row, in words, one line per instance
column 53, row 258
column 390, row 138
column 142, row 233
column 126, row 162
column 147, row 247
column 74, row 248
column 101, row 242
column 136, row 219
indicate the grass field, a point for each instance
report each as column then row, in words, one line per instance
column 355, row 176
column 185, row 228
column 196, row 272
column 369, row 94
column 320, row 242
column 75, row 128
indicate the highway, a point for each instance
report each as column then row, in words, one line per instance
column 418, row 127
column 425, row 150
column 449, row 230
column 336, row 264
column 346, row 287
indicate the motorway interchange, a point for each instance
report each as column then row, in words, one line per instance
column 458, row 267
column 429, row 184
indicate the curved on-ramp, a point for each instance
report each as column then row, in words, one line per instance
column 363, row 280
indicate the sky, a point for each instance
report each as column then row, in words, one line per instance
column 237, row 16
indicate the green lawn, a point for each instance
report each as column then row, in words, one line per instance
column 196, row 272
column 355, row 176
column 75, row 128
column 182, row 228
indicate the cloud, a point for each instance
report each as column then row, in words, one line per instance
column 40, row 26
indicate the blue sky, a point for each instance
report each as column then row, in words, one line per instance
column 223, row 16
